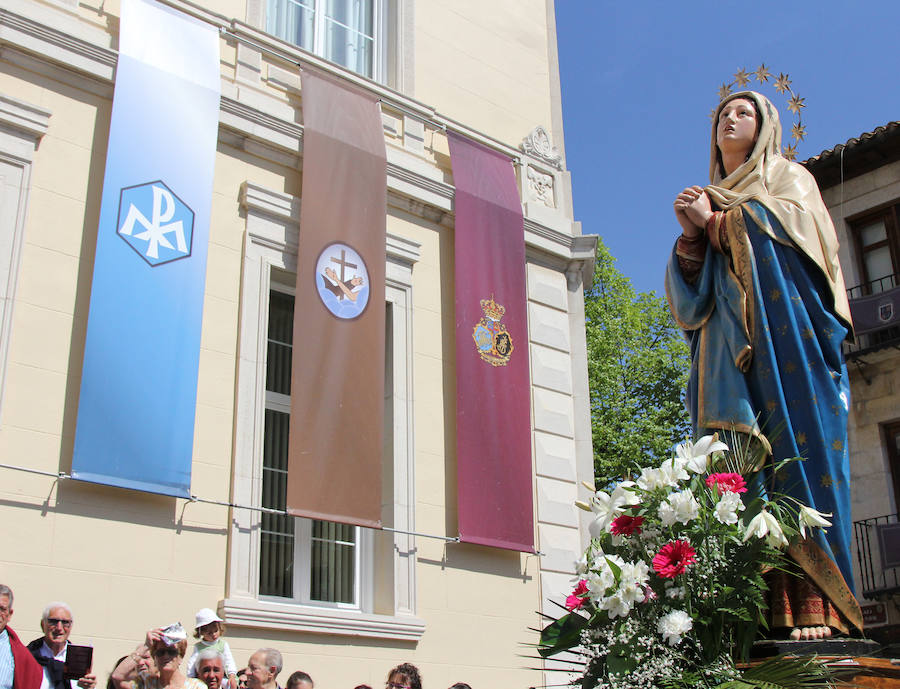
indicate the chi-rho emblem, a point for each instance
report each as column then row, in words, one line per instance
column 492, row 340
column 155, row 222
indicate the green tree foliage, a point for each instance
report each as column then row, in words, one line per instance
column 638, row 363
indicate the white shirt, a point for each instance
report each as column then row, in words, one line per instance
column 47, row 652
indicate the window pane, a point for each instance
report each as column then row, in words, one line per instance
column 349, row 34
column 277, row 531
column 875, row 232
column 292, row 21
column 878, row 265
column 281, row 334
column 332, row 566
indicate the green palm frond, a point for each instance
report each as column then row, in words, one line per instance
column 785, row 672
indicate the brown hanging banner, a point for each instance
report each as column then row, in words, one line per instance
column 337, row 381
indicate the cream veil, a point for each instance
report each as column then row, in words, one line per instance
column 787, row 189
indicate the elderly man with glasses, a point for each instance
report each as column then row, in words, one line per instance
column 18, row 669
column 50, row 649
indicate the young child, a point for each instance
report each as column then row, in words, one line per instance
column 210, row 629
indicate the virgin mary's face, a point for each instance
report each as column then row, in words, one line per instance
column 736, row 128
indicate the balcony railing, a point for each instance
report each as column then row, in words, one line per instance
column 875, row 308
column 876, row 552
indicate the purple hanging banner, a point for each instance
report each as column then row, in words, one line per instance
column 493, row 409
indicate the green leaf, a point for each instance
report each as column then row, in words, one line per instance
column 561, row 635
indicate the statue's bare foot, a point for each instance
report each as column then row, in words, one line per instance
column 811, row 633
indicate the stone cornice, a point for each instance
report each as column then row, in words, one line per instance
column 78, row 54
column 31, row 119
column 295, row 618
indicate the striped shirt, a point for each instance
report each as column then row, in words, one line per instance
column 7, row 663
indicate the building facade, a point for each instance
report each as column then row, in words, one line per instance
column 342, row 603
column 860, row 183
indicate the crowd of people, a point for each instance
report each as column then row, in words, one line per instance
column 48, row 661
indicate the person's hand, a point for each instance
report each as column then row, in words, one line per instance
column 89, row 681
column 700, row 210
column 683, row 202
column 153, row 635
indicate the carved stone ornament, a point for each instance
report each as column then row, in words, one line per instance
column 540, row 187
column 538, row 144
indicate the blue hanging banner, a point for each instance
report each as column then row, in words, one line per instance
column 139, row 382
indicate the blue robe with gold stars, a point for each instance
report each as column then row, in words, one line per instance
column 766, row 360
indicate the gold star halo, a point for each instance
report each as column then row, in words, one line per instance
column 782, row 85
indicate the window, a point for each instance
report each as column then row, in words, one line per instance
column 21, row 127
column 892, row 443
column 297, row 574
column 310, row 561
column 346, row 32
column 877, row 251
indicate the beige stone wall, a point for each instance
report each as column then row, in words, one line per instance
column 486, row 63
column 875, row 381
column 125, row 560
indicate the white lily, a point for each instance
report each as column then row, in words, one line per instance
column 608, row 507
column 764, row 525
column 672, row 471
column 695, row 456
column 812, row 519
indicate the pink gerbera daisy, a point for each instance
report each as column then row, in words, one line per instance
column 727, row 483
column 626, row 525
column 672, row 558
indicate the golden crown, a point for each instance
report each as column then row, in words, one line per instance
column 782, row 84
column 492, row 309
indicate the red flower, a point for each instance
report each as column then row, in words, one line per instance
column 575, row 601
column 727, row 483
column 626, row 525
column 672, row 558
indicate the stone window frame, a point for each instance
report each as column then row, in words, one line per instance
column 393, row 60
column 22, row 125
column 892, row 241
column 270, row 246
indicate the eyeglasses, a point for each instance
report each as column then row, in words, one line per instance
column 171, row 652
column 53, row 621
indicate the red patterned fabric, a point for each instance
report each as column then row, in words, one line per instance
column 795, row 601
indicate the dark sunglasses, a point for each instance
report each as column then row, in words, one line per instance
column 53, row 621
column 171, row 652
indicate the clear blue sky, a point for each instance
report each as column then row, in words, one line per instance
column 639, row 78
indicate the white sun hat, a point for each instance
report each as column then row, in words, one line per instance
column 204, row 617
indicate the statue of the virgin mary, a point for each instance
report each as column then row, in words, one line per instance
column 755, row 283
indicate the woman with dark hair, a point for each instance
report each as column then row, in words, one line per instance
column 755, row 282
column 166, row 647
column 404, row 676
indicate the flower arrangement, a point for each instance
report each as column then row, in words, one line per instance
column 671, row 592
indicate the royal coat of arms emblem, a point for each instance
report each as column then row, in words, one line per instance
column 492, row 340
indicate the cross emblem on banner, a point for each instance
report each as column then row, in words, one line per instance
column 343, row 263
